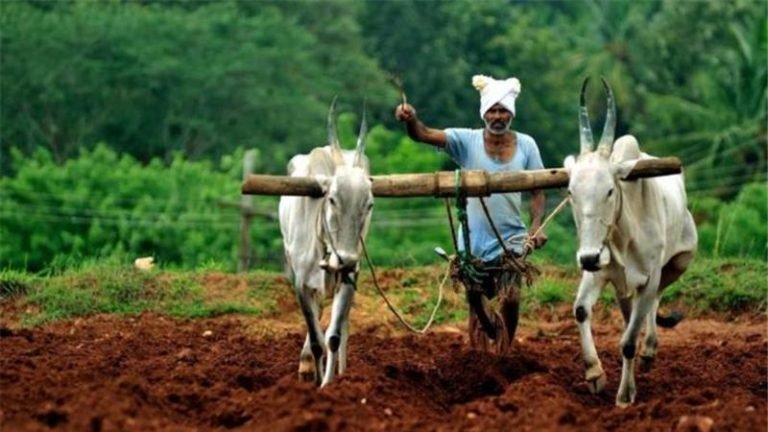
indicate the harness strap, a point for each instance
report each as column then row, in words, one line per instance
column 326, row 232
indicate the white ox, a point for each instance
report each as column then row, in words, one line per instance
column 638, row 235
column 321, row 237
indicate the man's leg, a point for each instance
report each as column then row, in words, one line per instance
column 509, row 283
column 480, row 323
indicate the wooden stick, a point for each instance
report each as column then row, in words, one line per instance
column 442, row 184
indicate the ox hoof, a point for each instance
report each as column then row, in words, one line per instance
column 626, row 398
column 646, row 363
column 624, row 403
column 596, row 380
column 307, row 371
column 307, row 377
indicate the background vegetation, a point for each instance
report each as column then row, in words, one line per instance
column 123, row 123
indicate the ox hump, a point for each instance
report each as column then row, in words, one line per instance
column 321, row 162
column 625, row 148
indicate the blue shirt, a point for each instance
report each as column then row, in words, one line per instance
column 467, row 148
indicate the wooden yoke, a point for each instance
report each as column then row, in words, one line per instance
column 443, row 183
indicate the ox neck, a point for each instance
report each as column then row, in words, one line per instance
column 614, row 225
column 325, row 231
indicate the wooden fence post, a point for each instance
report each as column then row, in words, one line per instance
column 246, row 215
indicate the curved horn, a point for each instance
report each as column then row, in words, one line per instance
column 360, row 149
column 333, row 136
column 606, row 140
column 585, row 130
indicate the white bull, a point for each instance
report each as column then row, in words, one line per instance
column 638, row 235
column 321, row 237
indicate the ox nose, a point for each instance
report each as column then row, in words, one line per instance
column 348, row 260
column 590, row 262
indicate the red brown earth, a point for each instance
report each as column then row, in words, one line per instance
column 154, row 373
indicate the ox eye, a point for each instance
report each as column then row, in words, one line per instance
column 370, row 206
column 332, row 200
column 610, row 192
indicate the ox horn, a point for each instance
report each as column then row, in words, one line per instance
column 360, row 149
column 333, row 136
column 606, row 140
column 585, row 130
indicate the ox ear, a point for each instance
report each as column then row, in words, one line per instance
column 622, row 169
column 568, row 163
column 325, row 183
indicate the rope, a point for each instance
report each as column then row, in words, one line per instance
column 450, row 223
column 467, row 267
column 327, row 239
column 515, row 263
column 528, row 242
column 392, row 307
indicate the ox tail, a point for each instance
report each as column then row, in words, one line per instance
column 670, row 320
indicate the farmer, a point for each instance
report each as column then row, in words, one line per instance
column 494, row 148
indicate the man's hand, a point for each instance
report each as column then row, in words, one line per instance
column 405, row 113
column 416, row 129
column 539, row 240
column 535, row 240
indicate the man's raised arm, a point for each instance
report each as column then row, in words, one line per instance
column 416, row 129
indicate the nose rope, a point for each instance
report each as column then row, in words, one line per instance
column 611, row 226
column 328, row 240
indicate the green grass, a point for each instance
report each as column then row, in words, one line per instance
column 70, row 289
column 114, row 288
column 710, row 285
column 722, row 285
column 14, row 283
column 549, row 292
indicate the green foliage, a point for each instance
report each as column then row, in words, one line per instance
column 102, row 204
column 735, row 229
column 128, row 117
column 153, row 80
column 736, row 285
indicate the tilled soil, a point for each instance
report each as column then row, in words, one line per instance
column 153, row 373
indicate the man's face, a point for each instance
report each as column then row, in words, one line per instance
column 497, row 119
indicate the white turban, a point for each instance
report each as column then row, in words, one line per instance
column 494, row 91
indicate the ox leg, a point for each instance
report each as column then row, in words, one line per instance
column 625, row 305
column 650, row 342
column 343, row 346
column 589, row 290
column 643, row 304
column 311, row 355
column 674, row 269
column 342, row 300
